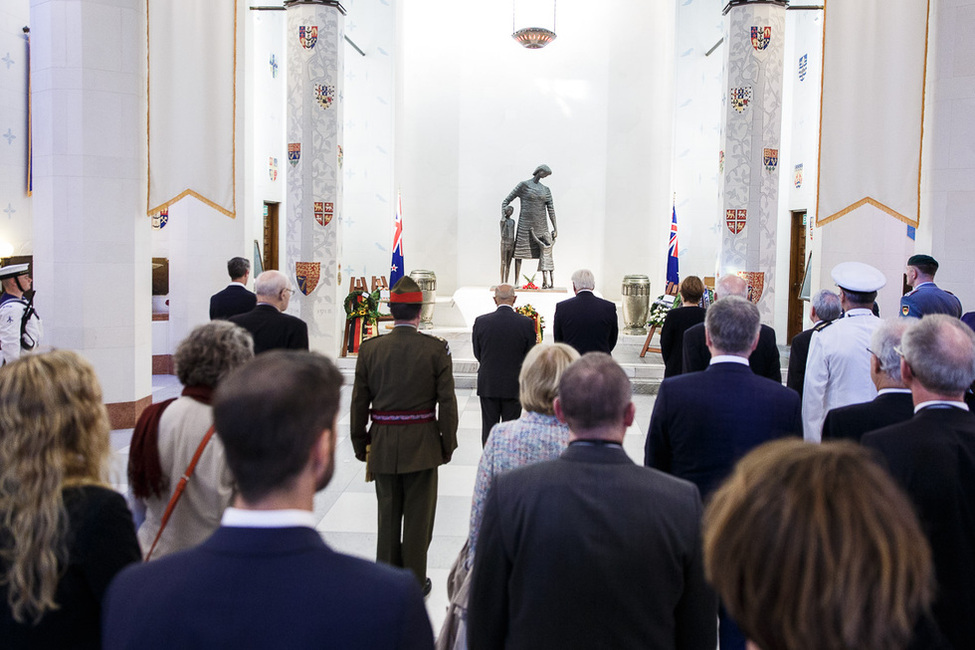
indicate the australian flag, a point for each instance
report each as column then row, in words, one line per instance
column 672, row 273
column 396, row 265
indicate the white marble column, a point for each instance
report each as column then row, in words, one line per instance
column 313, row 242
column 91, row 235
column 751, row 127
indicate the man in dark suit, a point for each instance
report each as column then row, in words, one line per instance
column 268, row 324
column 893, row 402
column 404, row 384
column 585, row 322
column 932, row 456
column 824, row 310
column 927, row 297
column 591, row 550
column 703, row 422
column 501, row 340
column 265, row 579
column 764, row 361
column 235, row 299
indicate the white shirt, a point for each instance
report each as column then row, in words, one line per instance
column 837, row 369
column 942, row 403
column 728, row 358
column 11, row 313
column 240, row 518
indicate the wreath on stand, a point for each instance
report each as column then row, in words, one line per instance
column 361, row 315
column 538, row 319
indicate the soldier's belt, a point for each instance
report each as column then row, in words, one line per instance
column 402, row 417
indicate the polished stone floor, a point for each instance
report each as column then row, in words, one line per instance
column 346, row 509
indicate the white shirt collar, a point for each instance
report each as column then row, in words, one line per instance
column 859, row 311
column 240, row 518
column 504, row 304
column 885, row 391
column 942, row 403
column 729, row 358
column 239, row 284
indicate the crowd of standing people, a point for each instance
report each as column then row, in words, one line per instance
column 835, row 511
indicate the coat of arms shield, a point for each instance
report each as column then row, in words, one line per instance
column 802, row 66
column 324, row 212
column 324, row 95
column 294, row 153
column 771, row 158
column 308, row 35
column 798, row 175
column 735, row 220
column 756, row 284
column 307, row 275
column 740, row 97
column 272, row 168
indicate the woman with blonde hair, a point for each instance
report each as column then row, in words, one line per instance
column 64, row 532
column 535, row 437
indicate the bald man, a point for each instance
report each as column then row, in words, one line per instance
column 268, row 324
column 764, row 361
column 501, row 340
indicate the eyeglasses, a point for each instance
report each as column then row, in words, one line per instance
column 898, row 350
column 289, row 291
column 872, row 352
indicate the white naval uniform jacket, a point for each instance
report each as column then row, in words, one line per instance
column 11, row 313
column 837, row 369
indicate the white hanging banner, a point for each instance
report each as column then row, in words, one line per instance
column 874, row 54
column 192, row 63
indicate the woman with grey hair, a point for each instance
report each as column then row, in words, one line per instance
column 167, row 437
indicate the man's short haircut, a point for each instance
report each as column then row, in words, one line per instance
column 541, row 371
column 860, row 297
column 730, row 284
column 504, row 292
column 814, row 546
column 210, row 352
column 237, row 267
column 885, row 342
column 940, row 350
column 583, row 279
column 594, row 391
column 691, row 290
column 733, row 324
column 827, row 305
column 270, row 284
column 270, row 412
column 924, row 263
column 404, row 311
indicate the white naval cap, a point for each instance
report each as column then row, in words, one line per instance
column 857, row 276
column 14, row 270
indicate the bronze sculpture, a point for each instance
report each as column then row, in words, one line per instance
column 536, row 208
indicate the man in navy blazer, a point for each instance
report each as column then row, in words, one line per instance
column 235, row 298
column 893, row 402
column 825, row 308
column 932, row 457
column 501, row 340
column 265, row 579
column 268, row 324
column 764, row 359
column 703, row 422
column 587, row 323
column 591, row 550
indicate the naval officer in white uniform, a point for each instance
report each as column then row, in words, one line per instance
column 838, row 366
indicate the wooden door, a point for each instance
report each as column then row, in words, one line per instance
column 797, row 267
column 270, row 236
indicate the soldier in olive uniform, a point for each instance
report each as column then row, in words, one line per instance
column 405, row 376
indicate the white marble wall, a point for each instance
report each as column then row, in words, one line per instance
column 91, row 248
column 947, row 222
column 15, row 206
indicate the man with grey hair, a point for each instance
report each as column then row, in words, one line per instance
column 932, row 457
column 501, row 340
column 586, row 322
column 764, row 361
column 825, row 308
column 235, row 298
column 591, row 550
column 893, row 402
column 703, row 422
column 268, row 324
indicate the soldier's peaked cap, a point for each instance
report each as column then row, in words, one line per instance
column 406, row 292
column 915, row 260
column 859, row 277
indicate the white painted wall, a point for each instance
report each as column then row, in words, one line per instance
column 15, row 205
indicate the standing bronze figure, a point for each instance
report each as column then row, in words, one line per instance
column 536, row 208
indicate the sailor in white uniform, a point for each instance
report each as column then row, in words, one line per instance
column 20, row 326
column 838, row 366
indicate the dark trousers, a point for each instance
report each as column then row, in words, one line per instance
column 730, row 637
column 407, row 505
column 497, row 409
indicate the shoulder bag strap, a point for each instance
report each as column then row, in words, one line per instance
column 180, row 487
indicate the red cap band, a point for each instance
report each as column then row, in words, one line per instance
column 409, row 297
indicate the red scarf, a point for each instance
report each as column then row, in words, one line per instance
column 145, row 470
